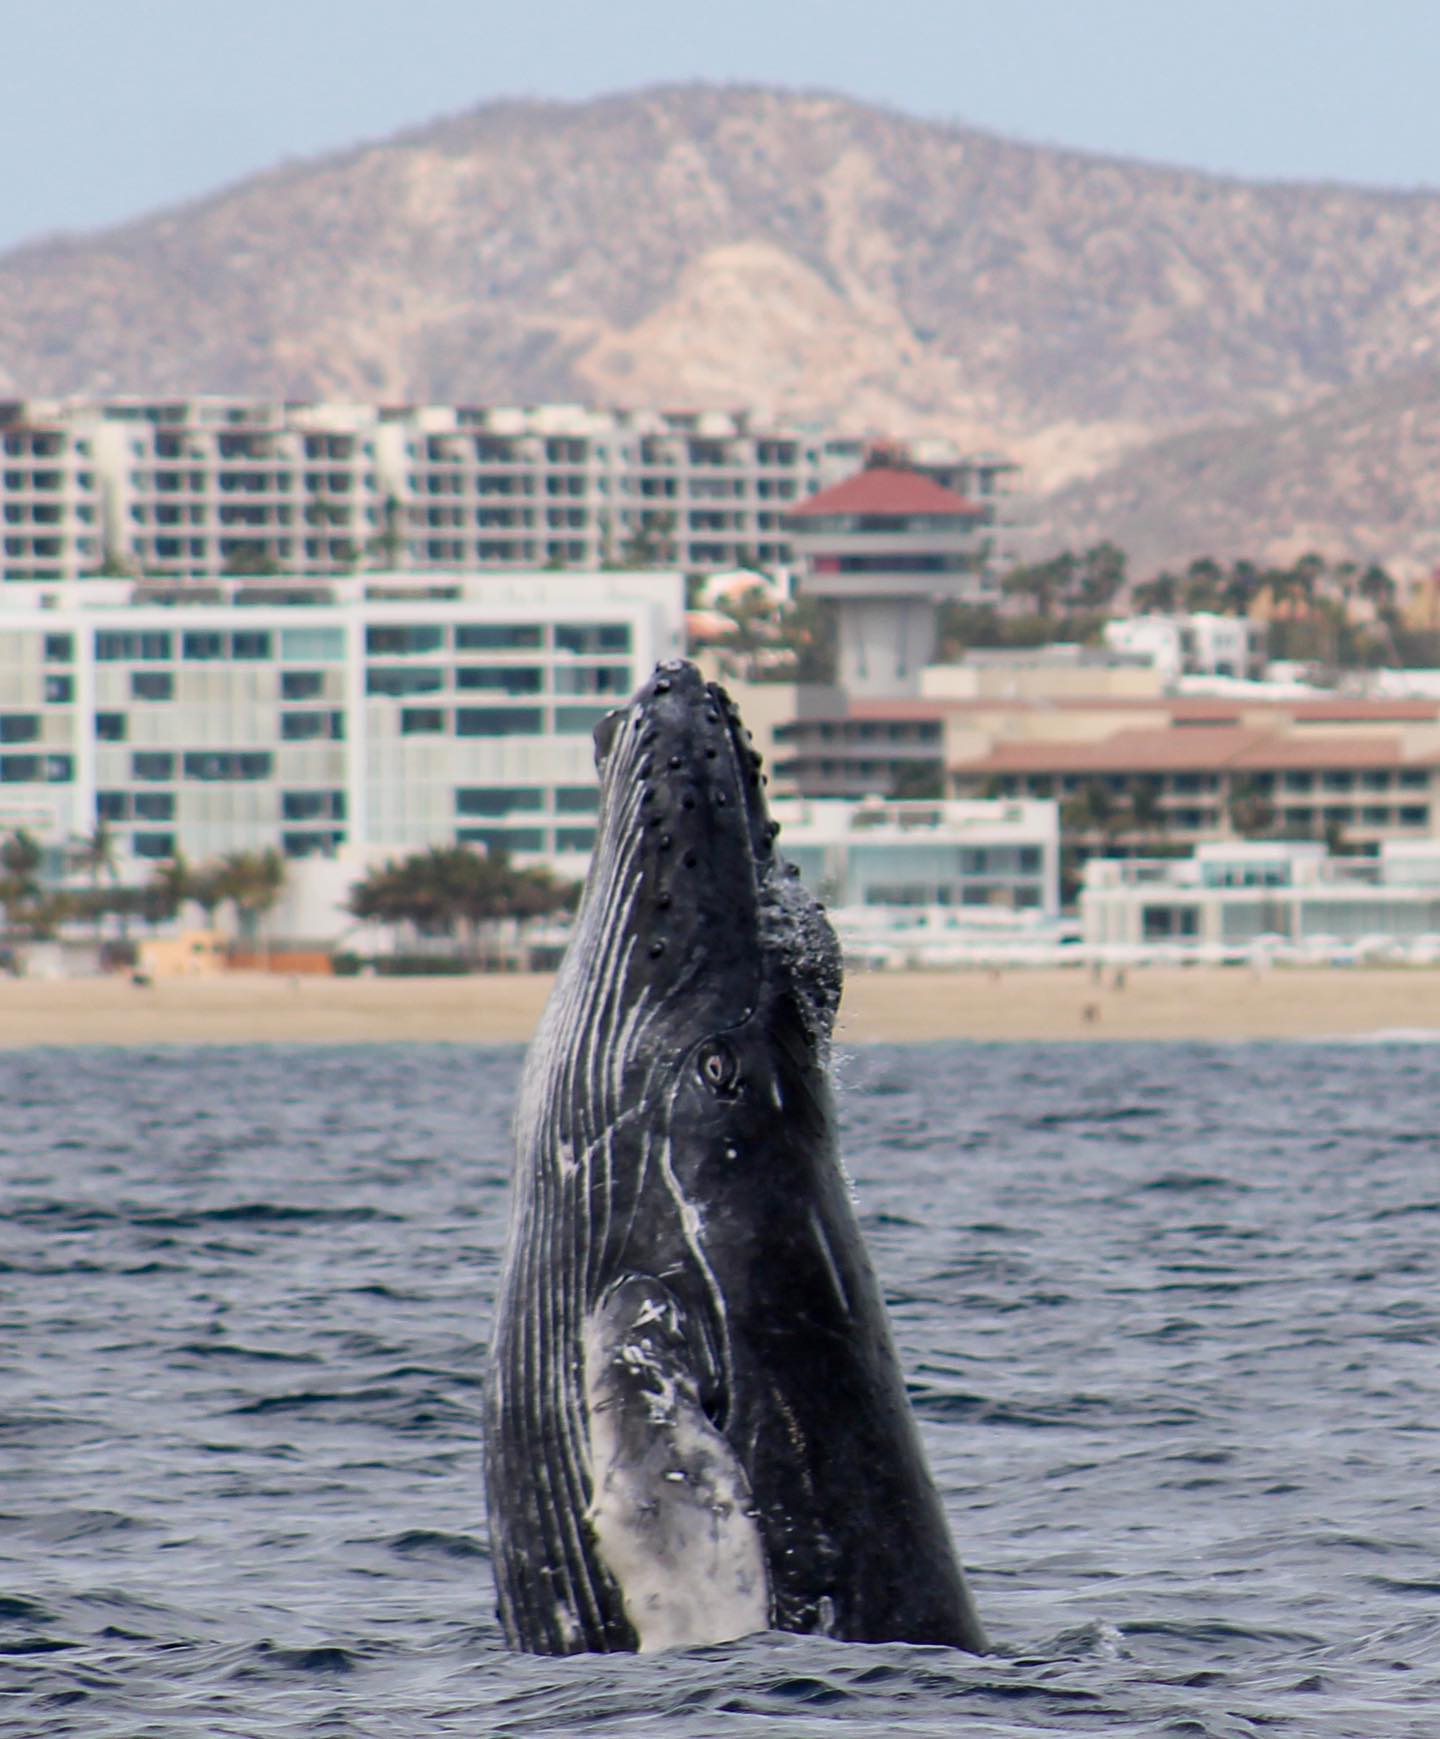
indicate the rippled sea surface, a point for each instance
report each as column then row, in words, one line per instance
column 1170, row 1314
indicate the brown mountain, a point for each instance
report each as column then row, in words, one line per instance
column 800, row 251
column 1356, row 473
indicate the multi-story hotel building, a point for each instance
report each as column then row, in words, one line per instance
column 1188, row 768
column 1245, row 897
column 201, row 720
column 230, row 485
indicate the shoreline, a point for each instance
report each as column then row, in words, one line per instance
column 1215, row 1004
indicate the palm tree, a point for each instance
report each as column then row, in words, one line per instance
column 1202, row 584
column 206, row 886
column 1043, row 583
column 20, row 860
column 1251, row 811
column 454, row 888
column 1241, row 588
column 1147, row 813
column 252, row 881
column 94, row 854
column 161, row 898
column 1160, row 594
column 1377, row 588
column 1102, row 576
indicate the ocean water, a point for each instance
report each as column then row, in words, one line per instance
column 1170, row 1314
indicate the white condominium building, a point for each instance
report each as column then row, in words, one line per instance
column 205, row 719
column 214, row 485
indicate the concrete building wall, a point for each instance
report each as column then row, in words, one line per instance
column 214, row 484
column 397, row 721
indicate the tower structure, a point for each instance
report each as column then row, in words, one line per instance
column 888, row 546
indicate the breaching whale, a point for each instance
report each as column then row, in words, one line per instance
column 696, row 1422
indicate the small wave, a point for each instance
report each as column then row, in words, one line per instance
column 266, row 1658
column 429, row 1543
column 219, row 1349
column 15, row 1609
column 35, row 1645
column 1190, row 1182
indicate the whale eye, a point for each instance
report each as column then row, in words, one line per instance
column 718, row 1066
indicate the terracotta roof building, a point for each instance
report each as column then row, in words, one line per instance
column 1185, row 768
column 887, row 546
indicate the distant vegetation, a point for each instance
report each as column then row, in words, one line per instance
column 461, row 895
column 447, row 891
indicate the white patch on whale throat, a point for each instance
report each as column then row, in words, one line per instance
column 671, row 1514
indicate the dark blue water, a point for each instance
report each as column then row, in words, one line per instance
column 1171, row 1315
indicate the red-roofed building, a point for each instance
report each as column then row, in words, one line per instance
column 887, row 546
column 1178, row 768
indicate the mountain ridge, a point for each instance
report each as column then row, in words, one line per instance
column 818, row 257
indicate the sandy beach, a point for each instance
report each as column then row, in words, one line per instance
column 1195, row 1003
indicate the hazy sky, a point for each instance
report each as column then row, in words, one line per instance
column 109, row 108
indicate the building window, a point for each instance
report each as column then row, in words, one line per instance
column 421, row 721
column 202, row 644
column 574, row 839
column 20, row 769
column 152, row 764
column 405, row 640
column 304, row 727
column 59, row 769
column 312, row 805
column 19, row 727
column 503, row 839
column 501, row 678
column 577, row 799
column 497, row 800
column 59, row 648
column 592, row 637
column 301, row 684
column 227, row 764
column 154, row 806
column 313, row 645
column 59, row 689
column 494, row 721
column 127, row 645
column 1159, row 922
column 578, row 720
column 317, row 844
column 109, row 727
column 418, row 679
column 498, row 636
column 151, row 685
column 612, row 679
column 112, row 805
column 153, row 845
column 250, row 643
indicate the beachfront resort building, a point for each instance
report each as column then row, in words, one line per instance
column 1264, row 894
column 1194, row 769
column 201, row 719
column 1141, row 766
column 210, row 485
column 980, row 861
column 1202, row 643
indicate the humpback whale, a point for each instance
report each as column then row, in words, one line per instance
column 696, row 1421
